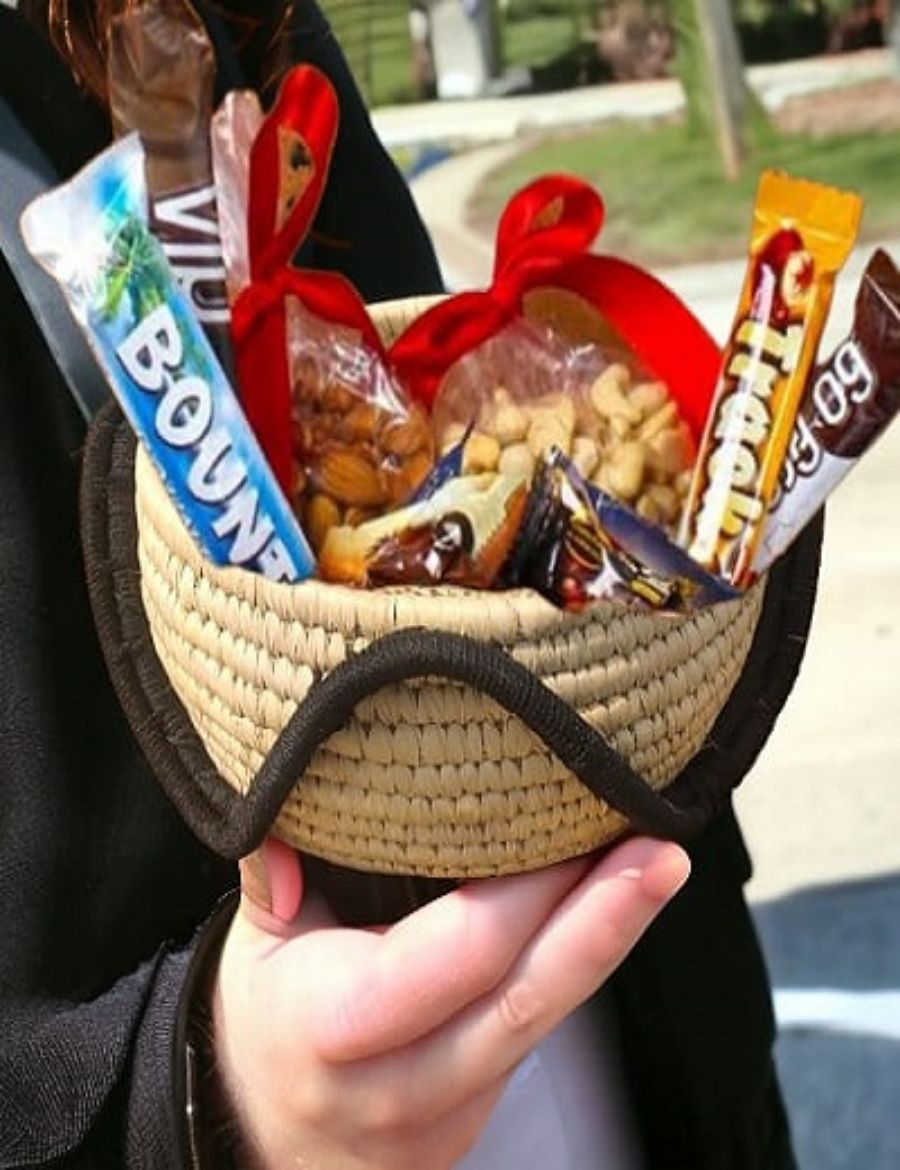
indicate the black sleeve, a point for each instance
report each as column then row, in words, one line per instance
column 696, row 1023
column 367, row 226
column 103, row 888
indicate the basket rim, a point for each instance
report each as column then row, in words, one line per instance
column 218, row 815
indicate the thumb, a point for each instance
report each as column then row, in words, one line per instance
column 271, row 886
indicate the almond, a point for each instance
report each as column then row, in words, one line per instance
column 321, row 514
column 349, row 477
column 402, row 482
column 359, row 423
column 405, row 438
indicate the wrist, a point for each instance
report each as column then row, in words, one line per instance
column 212, row 1134
column 215, row 1141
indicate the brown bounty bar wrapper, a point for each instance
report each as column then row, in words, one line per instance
column 801, row 235
column 848, row 404
column 161, row 75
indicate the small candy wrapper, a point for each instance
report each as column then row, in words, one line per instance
column 449, row 466
column 567, row 554
column 651, row 547
column 802, row 233
column 92, row 236
column 161, row 72
column 850, row 400
column 461, row 535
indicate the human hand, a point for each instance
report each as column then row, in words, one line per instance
column 386, row 1049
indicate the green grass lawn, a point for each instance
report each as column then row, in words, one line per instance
column 666, row 200
column 534, row 41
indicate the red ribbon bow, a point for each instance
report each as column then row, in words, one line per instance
column 542, row 242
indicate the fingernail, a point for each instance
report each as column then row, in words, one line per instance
column 255, row 883
column 661, row 867
column 667, row 873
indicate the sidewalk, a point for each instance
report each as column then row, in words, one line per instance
column 483, row 120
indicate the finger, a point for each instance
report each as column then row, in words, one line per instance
column 439, row 959
column 587, row 936
column 271, row 886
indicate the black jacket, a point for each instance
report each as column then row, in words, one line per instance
column 104, row 890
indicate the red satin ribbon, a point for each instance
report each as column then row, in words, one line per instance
column 542, row 242
column 305, row 115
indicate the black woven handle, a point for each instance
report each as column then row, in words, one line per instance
column 487, row 668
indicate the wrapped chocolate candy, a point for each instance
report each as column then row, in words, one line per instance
column 651, row 547
column 568, row 555
column 461, row 535
column 161, row 75
column 802, row 234
column 849, row 402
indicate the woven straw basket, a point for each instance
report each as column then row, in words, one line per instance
column 426, row 775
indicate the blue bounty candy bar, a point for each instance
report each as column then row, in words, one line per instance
column 91, row 234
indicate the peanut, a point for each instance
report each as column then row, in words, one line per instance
column 547, row 433
column 481, row 453
column 626, row 470
column 585, row 454
column 660, row 420
column 321, row 513
column 627, row 438
column 452, row 435
column 510, row 425
column 665, row 500
column 608, row 395
column 647, row 509
column 671, row 451
column 648, row 397
column 516, row 460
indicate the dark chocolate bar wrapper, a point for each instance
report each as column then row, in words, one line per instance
column 161, row 76
column 850, row 400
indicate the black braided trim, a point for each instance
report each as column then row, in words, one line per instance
column 233, row 825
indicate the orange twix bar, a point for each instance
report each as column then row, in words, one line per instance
column 802, row 233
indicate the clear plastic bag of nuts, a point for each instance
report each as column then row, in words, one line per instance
column 361, row 447
column 528, row 389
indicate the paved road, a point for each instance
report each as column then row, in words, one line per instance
column 835, row 961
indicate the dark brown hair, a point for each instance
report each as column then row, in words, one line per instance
column 79, row 29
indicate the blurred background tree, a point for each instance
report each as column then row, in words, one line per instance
column 711, row 70
column 549, row 45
